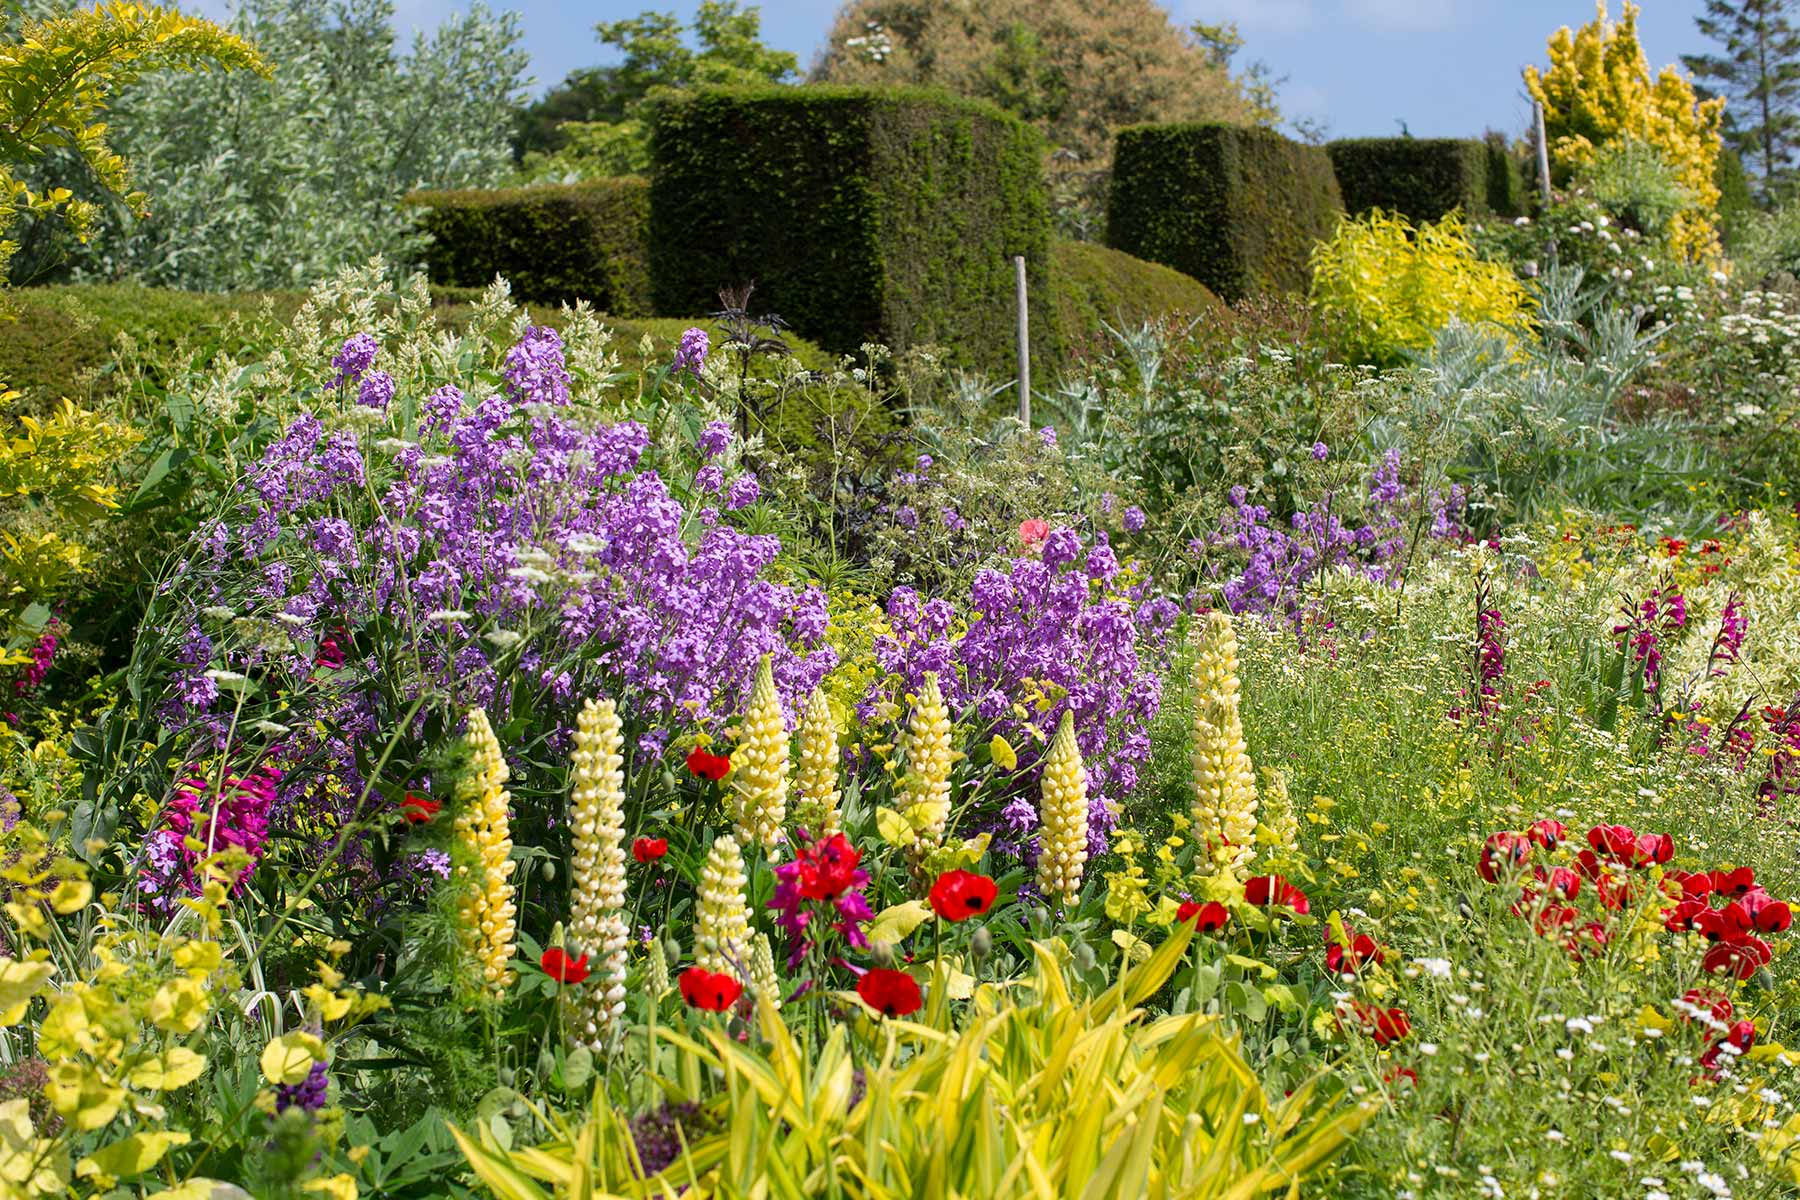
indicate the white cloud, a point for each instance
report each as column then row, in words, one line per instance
column 1404, row 16
column 1256, row 16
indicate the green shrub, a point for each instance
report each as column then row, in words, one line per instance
column 1238, row 209
column 1419, row 178
column 1506, row 191
column 556, row 242
column 1384, row 288
column 886, row 215
column 1096, row 284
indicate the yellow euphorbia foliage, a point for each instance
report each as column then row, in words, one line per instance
column 1385, row 288
column 1598, row 90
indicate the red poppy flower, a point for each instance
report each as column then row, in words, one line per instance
column 1688, row 885
column 1767, row 914
column 560, row 967
column 1588, row 863
column 1264, row 890
column 1617, row 841
column 1350, row 960
column 1501, row 852
column 1553, row 917
column 1033, row 532
column 1652, row 848
column 1615, row 893
column 419, row 809
column 1547, row 833
column 827, row 869
column 891, row 993
column 1707, row 999
column 1589, row 939
column 1207, row 918
column 1737, row 1041
column 959, row 895
column 707, row 765
column 1385, row 1025
column 1561, row 881
column 1685, row 917
column 709, row 992
column 1725, row 924
column 1401, row 1075
column 1735, row 882
column 1740, row 959
column 649, row 849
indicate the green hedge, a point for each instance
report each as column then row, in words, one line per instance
column 1419, row 178
column 553, row 242
column 1095, row 284
column 1237, row 208
column 1506, row 192
column 887, row 215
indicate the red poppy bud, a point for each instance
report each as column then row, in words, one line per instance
column 959, row 895
column 709, row 992
column 890, row 993
column 559, row 966
column 649, row 849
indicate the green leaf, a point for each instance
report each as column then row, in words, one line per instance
column 897, row 920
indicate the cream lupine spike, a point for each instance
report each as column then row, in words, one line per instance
column 1224, row 783
column 763, row 982
column 927, row 783
column 597, row 866
column 722, row 928
column 759, row 768
column 1062, row 853
column 816, row 782
column 483, row 828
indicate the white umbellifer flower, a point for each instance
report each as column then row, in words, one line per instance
column 448, row 615
column 221, row 676
column 1437, row 968
column 504, row 639
column 294, row 620
column 218, row 612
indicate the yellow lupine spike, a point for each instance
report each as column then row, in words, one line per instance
column 1063, row 850
column 816, row 782
column 1224, row 782
column 597, row 866
column 483, row 827
column 722, row 922
column 759, row 767
column 927, row 749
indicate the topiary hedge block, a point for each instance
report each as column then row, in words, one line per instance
column 1421, row 179
column 553, row 242
column 1098, row 286
column 1237, row 208
column 887, row 215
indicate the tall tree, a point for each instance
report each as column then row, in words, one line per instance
column 1758, row 74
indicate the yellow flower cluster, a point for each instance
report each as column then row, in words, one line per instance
column 483, row 828
column 1598, row 90
column 816, row 783
column 927, row 748
column 759, row 768
column 1224, row 785
column 763, row 982
column 1063, row 852
column 1280, row 823
column 722, row 925
column 597, row 864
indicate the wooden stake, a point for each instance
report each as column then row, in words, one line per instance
column 1024, row 342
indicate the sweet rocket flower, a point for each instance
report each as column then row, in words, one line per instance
column 648, row 850
column 709, row 991
column 354, row 358
column 43, row 653
column 308, row 1095
column 959, row 895
column 1210, row 917
column 690, row 352
column 376, row 390
column 534, row 371
column 1133, row 519
column 559, row 966
column 890, row 993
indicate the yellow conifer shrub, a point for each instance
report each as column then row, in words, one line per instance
column 1598, row 90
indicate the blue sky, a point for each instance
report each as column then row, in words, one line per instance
column 1446, row 67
